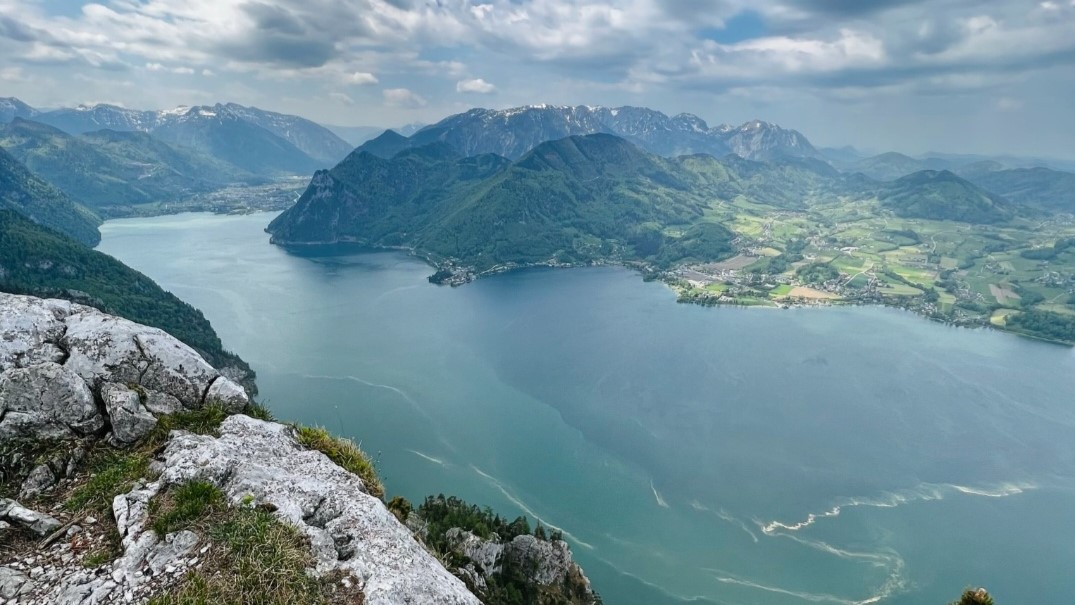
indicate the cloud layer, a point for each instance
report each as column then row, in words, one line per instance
column 404, row 59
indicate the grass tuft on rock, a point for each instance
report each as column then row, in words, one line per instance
column 343, row 452
column 113, row 472
column 255, row 560
column 112, row 550
column 258, row 411
column 183, row 506
column 204, row 421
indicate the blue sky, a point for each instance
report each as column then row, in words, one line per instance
column 982, row 76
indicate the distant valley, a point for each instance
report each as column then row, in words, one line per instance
column 124, row 162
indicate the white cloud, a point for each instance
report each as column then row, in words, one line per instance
column 186, row 71
column 666, row 53
column 476, row 85
column 341, row 98
column 404, row 98
column 361, row 78
column 12, row 74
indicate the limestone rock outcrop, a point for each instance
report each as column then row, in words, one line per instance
column 71, row 371
column 349, row 530
column 547, row 563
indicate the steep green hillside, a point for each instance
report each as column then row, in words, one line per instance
column 941, row 195
column 576, row 200
column 1042, row 188
column 38, row 261
column 109, row 168
column 25, row 193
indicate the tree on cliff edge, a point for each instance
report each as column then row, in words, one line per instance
column 974, row 596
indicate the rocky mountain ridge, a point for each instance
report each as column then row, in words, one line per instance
column 514, row 132
column 300, row 145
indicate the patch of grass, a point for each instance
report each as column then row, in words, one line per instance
column 19, row 456
column 258, row 411
column 255, row 560
column 114, row 472
column 183, row 506
column 107, row 553
column 98, row 558
column 343, row 452
column 205, row 421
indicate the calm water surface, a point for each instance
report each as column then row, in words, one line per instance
column 749, row 457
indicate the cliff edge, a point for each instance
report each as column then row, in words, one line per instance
column 134, row 472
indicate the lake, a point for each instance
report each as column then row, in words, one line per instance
column 725, row 456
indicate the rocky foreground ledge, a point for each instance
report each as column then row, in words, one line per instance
column 71, row 371
column 130, row 473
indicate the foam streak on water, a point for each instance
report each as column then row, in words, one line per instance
column 522, row 505
column 925, row 492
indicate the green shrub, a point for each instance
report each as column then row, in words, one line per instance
column 974, row 596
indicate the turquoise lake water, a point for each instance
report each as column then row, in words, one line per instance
column 690, row 454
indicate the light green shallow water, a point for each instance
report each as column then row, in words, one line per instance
column 753, row 457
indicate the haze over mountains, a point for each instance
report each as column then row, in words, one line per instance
column 110, row 167
column 27, row 194
column 110, row 157
column 259, row 142
column 513, row 132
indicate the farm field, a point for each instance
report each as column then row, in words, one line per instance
column 858, row 253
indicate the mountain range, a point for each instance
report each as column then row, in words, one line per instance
column 511, row 133
column 589, row 198
column 307, row 138
column 574, row 200
column 357, row 135
column 115, row 159
column 109, row 168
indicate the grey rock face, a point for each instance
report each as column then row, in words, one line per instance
column 549, row 562
column 227, row 394
column 30, row 330
column 39, row 479
column 46, row 400
column 11, row 582
column 39, row 523
column 349, row 530
column 485, row 554
column 67, row 370
column 130, row 419
column 104, row 348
